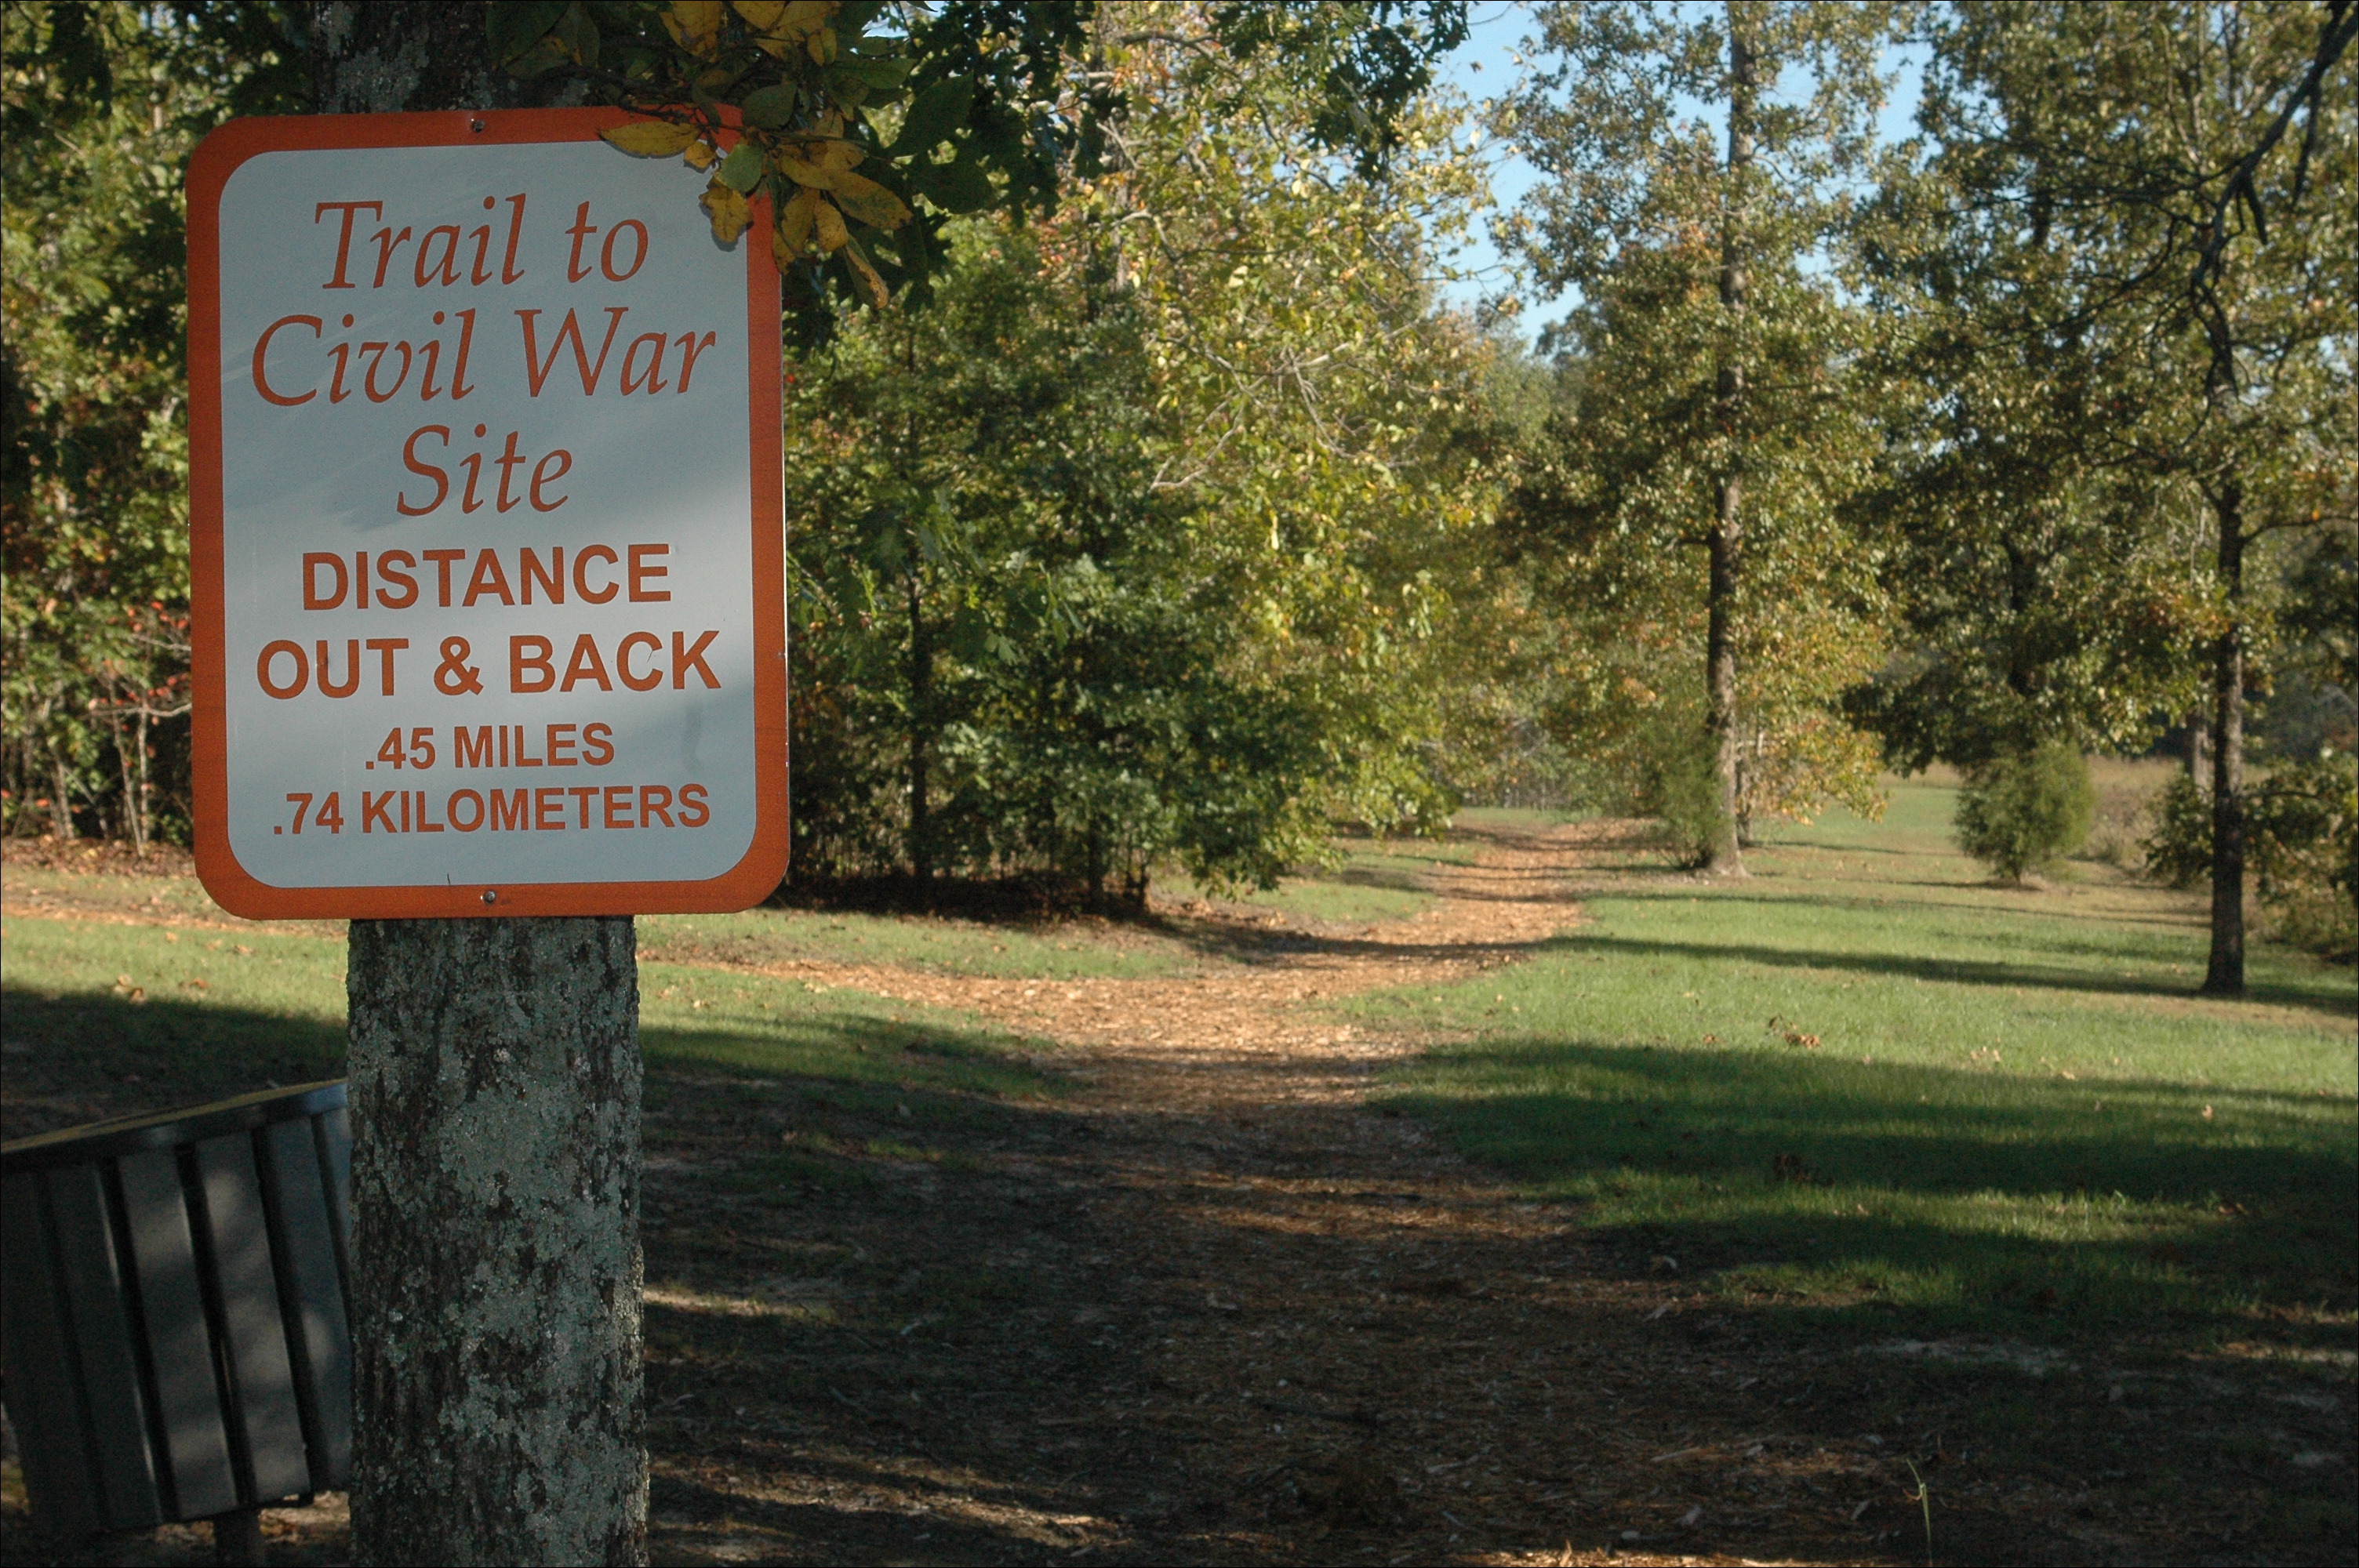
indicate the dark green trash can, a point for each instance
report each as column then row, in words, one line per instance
column 176, row 1310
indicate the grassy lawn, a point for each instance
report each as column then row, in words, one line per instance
column 1864, row 1087
column 98, row 1018
column 1376, row 879
column 103, row 1017
column 950, row 946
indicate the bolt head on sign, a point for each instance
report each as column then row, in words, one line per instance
column 486, row 524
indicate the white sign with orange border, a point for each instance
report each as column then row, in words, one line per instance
column 485, row 524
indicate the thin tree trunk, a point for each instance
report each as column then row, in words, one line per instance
column 2224, row 975
column 1723, row 855
column 2198, row 749
column 61, row 822
column 921, row 664
column 140, row 818
column 921, row 694
column 496, row 1083
column 129, row 787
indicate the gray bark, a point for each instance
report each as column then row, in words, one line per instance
column 2224, row 973
column 1723, row 855
column 495, row 1242
column 61, row 822
column 495, row 1089
column 389, row 56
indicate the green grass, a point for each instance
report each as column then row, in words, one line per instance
column 91, row 1012
column 1865, row 1084
column 874, row 1046
column 1376, row 880
column 99, row 1016
column 952, row 946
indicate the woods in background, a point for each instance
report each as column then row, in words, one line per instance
column 1161, row 525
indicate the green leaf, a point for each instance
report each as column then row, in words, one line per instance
column 843, row 87
column 546, row 54
column 938, row 110
column 579, row 34
column 910, row 249
column 958, row 187
column 742, row 169
column 880, row 75
column 512, row 28
column 770, row 107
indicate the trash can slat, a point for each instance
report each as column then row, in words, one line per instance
column 101, row 1324
column 331, row 1135
column 262, row 1383
column 176, row 1300
column 188, row 1402
column 41, row 1396
column 317, row 1333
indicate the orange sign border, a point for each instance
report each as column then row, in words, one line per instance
column 758, row 873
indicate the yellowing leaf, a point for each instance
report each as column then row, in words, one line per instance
column 694, row 25
column 793, row 25
column 870, row 202
column 827, row 227
column 820, row 165
column 762, row 14
column 792, row 235
column 864, row 276
column 822, row 48
column 699, row 155
column 729, row 210
column 649, row 138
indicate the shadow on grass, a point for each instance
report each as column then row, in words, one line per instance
column 869, row 1057
column 1960, row 1200
column 81, row 1056
column 731, row 1526
column 1962, row 971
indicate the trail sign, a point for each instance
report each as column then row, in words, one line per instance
column 485, row 521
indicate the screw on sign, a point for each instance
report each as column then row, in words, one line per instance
column 487, row 458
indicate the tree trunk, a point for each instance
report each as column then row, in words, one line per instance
column 61, row 822
column 140, row 818
column 2224, row 975
column 921, row 699
column 495, row 1242
column 133, row 827
column 2198, row 749
column 494, row 1066
column 1723, row 856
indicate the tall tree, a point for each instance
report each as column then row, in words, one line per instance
column 2177, row 180
column 1647, row 198
column 1140, row 534
column 99, row 106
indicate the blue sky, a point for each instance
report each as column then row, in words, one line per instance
column 1486, row 66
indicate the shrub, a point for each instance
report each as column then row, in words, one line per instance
column 2179, row 851
column 1680, row 793
column 2301, row 843
column 2026, row 810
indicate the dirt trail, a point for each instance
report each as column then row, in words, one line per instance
column 1239, row 1317
column 1242, row 1032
